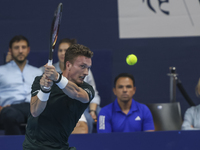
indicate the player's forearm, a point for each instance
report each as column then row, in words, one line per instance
column 71, row 89
column 37, row 106
column 75, row 92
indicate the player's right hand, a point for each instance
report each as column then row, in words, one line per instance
column 51, row 73
column 45, row 83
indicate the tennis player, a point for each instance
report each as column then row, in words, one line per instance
column 58, row 101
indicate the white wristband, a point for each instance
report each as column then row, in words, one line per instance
column 63, row 82
column 43, row 96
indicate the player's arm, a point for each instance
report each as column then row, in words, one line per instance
column 37, row 106
column 39, row 101
column 75, row 92
column 68, row 87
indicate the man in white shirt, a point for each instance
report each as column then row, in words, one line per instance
column 16, row 78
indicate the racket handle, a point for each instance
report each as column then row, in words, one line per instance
column 47, row 88
column 50, row 62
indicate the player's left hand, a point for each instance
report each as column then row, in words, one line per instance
column 51, row 72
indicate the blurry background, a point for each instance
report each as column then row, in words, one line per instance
column 160, row 33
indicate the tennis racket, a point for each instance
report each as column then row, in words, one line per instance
column 54, row 31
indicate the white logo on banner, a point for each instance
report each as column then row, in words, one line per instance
column 158, row 18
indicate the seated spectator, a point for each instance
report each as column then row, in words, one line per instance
column 192, row 117
column 92, row 111
column 124, row 114
column 16, row 78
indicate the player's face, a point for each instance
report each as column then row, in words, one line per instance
column 79, row 69
column 61, row 51
column 124, row 89
column 20, row 51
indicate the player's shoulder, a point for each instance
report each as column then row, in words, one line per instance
column 89, row 89
column 85, row 85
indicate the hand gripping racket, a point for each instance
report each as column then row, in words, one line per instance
column 54, row 31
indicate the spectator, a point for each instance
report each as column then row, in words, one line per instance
column 124, row 114
column 16, row 78
column 192, row 117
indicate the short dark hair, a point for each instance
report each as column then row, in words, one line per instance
column 76, row 50
column 124, row 75
column 18, row 38
column 69, row 41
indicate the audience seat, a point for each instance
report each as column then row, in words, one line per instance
column 166, row 116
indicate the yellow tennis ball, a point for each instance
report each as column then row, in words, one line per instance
column 131, row 59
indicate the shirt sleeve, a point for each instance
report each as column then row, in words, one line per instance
column 104, row 122
column 148, row 123
column 35, row 86
column 83, row 118
column 90, row 80
column 89, row 89
column 188, row 119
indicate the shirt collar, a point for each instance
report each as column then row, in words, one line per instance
column 12, row 62
column 133, row 106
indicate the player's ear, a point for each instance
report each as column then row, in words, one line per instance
column 68, row 65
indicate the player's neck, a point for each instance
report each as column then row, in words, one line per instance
column 65, row 73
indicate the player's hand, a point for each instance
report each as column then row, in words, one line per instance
column 51, row 73
column 45, row 83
